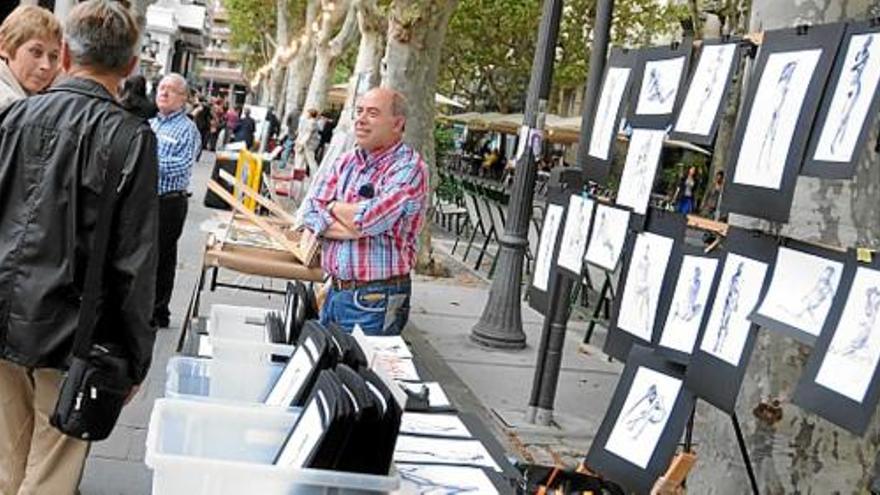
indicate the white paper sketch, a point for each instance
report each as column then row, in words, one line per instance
column 442, row 451
column 297, row 370
column 552, row 219
column 689, row 303
column 427, row 479
column 604, row 129
column 852, row 98
column 738, row 290
column 643, row 417
column 574, row 235
column 849, row 365
column 703, row 99
column 607, row 237
column 773, row 117
column 659, row 86
column 801, row 290
column 438, row 425
column 643, row 282
column 391, row 344
column 637, row 180
column 396, row 368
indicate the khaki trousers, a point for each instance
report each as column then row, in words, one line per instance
column 35, row 458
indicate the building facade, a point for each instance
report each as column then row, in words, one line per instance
column 221, row 72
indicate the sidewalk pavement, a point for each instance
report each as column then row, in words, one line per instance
column 493, row 384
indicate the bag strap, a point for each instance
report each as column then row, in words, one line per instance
column 88, row 312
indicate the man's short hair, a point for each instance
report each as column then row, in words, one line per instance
column 101, row 34
column 25, row 23
column 179, row 80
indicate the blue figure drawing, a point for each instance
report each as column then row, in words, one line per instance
column 427, row 485
column 649, row 409
column 783, row 85
column 687, row 310
column 856, row 71
column 731, row 305
column 867, row 323
column 709, row 89
column 643, row 289
column 817, row 295
column 656, row 91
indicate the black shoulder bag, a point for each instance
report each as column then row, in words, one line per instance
column 98, row 380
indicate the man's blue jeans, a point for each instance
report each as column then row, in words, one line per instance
column 380, row 309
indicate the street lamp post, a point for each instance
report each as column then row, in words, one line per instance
column 500, row 325
column 547, row 368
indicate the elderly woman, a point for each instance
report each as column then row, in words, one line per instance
column 30, row 44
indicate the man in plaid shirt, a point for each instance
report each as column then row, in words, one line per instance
column 368, row 211
column 179, row 144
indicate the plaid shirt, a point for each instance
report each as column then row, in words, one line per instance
column 179, row 144
column 390, row 221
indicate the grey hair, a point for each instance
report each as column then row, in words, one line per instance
column 101, row 34
column 179, row 80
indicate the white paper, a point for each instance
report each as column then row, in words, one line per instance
column 851, row 361
column 205, row 347
column 773, row 117
column 396, row 368
column 643, row 282
column 607, row 237
column 703, row 99
column 295, row 374
column 689, row 302
column 305, row 436
column 852, row 98
column 552, row 219
column 738, row 292
column 637, row 180
column 602, row 136
column 438, row 425
column 643, row 417
column 660, row 83
column 574, row 235
column 443, row 451
column 801, row 290
column 427, row 479
column 392, row 344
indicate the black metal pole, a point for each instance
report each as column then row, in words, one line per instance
column 550, row 359
column 500, row 325
column 741, row 441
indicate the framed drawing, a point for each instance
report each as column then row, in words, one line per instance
column 607, row 237
column 685, row 315
column 644, row 283
column 840, row 379
column 609, row 109
column 643, row 424
column 766, row 152
column 547, row 246
column 802, row 291
column 657, row 88
column 849, row 106
column 573, row 244
column 640, row 169
column 719, row 361
column 706, row 97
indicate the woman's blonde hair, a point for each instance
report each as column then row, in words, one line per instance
column 26, row 23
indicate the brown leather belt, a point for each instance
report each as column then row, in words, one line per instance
column 356, row 284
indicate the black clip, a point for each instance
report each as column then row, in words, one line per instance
column 802, row 29
column 874, row 21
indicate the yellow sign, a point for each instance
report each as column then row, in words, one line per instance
column 248, row 171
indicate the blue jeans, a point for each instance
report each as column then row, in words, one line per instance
column 381, row 309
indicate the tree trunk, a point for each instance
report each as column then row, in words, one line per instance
column 329, row 46
column 279, row 72
column 801, row 453
column 416, row 31
column 300, row 67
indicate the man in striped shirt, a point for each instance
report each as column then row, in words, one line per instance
column 179, row 144
column 368, row 211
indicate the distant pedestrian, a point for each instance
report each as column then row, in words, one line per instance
column 245, row 129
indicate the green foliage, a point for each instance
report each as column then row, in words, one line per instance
column 250, row 22
column 490, row 45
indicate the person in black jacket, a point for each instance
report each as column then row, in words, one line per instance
column 54, row 154
column 245, row 128
column 134, row 97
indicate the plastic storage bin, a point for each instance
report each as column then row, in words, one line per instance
column 238, row 333
column 202, row 448
column 206, row 379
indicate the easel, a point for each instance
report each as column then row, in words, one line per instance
column 603, row 305
column 740, row 440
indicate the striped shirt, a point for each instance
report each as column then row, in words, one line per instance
column 389, row 221
column 179, row 143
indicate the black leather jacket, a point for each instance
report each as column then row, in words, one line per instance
column 54, row 150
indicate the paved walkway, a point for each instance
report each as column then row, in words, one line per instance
column 493, row 384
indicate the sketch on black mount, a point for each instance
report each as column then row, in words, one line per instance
column 783, row 84
column 603, row 125
column 711, row 86
column 637, row 179
column 656, row 92
column 430, row 479
column 731, row 305
column 602, row 238
column 649, row 409
column 660, row 81
column 856, row 71
column 644, row 282
column 607, row 237
column 643, row 290
column 821, row 291
column 867, row 324
column 691, row 307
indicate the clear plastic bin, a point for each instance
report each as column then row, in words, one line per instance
column 238, row 333
column 199, row 378
column 202, row 448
